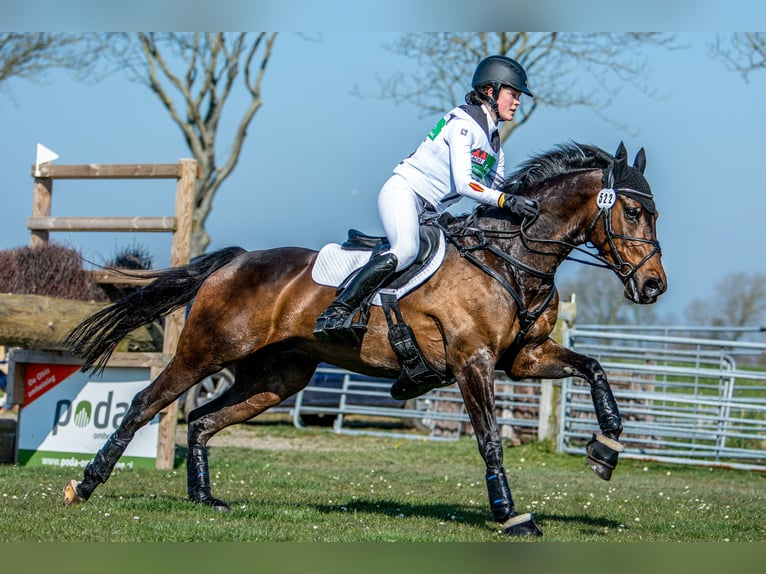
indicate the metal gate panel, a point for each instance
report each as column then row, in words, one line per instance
column 682, row 400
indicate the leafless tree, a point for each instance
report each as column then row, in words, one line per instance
column 193, row 75
column 739, row 300
column 744, row 52
column 555, row 61
column 30, row 56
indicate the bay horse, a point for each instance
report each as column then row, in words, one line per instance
column 491, row 305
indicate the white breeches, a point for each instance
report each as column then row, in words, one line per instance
column 399, row 208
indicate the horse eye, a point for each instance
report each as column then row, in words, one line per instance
column 632, row 212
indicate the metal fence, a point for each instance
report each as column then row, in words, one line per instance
column 682, row 399
column 686, row 400
column 344, row 397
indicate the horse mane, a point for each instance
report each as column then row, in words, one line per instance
column 563, row 159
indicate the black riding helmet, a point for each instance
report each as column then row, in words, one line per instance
column 498, row 71
column 501, row 70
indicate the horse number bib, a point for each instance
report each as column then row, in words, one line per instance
column 606, row 198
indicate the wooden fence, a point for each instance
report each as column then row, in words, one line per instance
column 41, row 223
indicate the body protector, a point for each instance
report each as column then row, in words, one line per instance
column 459, row 157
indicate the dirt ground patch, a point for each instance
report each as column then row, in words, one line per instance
column 258, row 436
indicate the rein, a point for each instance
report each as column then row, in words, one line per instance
column 526, row 316
column 623, row 268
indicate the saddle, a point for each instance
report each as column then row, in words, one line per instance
column 418, row 375
column 429, row 244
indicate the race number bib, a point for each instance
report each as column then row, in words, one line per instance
column 606, row 198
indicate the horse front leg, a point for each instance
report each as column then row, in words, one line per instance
column 476, row 381
column 552, row 361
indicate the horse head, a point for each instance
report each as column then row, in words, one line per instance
column 624, row 229
column 589, row 197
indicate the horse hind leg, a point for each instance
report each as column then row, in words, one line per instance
column 261, row 381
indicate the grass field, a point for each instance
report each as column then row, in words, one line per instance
column 314, row 485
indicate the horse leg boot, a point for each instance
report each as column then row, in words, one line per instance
column 335, row 323
column 604, row 449
column 198, row 479
column 101, row 467
column 98, row 470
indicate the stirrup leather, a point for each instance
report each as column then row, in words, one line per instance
column 418, row 375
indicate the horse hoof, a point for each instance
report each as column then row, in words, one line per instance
column 521, row 525
column 69, row 492
column 602, row 454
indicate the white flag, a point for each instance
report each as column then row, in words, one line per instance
column 44, row 155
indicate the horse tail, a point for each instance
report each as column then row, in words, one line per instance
column 95, row 338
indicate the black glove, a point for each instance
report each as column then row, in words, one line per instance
column 522, row 206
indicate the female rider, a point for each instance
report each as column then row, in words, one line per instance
column 461, row 157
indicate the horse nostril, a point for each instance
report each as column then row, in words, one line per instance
column 654, row 287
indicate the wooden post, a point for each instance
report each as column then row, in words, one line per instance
column 550, row 392
column 179, row 255
column 41, row 207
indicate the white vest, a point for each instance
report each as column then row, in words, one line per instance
column 456, row 159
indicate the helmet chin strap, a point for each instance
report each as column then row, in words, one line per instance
column 492, row 101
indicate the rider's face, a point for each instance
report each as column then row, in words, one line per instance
column 507, row 102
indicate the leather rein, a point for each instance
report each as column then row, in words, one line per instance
column 527, row 317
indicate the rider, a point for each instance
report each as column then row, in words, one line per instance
column 461, row 156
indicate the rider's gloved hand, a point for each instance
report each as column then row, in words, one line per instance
column 520, row 205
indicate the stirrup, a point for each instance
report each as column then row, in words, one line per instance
column 336, row 324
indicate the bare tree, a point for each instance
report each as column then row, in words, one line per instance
column 30, row 56
column 744, row 52
column 555, row 61
column 193, row 75
column 739, row 300
column 600, row 300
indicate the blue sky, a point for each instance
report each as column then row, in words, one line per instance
column 316, row 155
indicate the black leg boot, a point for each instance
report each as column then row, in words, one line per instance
column 335, row 322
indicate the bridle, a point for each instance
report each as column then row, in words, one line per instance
column 607, row 197
column 623, row 268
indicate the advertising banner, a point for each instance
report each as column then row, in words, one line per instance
column 67, row 415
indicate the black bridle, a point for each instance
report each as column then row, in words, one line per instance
column 623, row 268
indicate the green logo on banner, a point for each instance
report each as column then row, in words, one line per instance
column 82, row 413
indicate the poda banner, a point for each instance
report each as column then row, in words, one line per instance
column 67, row 415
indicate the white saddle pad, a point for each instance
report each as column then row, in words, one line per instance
column 334, row 264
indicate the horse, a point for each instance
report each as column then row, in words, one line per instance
column 491, row 305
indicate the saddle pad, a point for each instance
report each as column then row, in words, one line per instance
column 334, row 264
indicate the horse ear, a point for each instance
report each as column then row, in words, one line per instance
column 640, row 162
column 621, row 154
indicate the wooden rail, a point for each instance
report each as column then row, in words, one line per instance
column 101, row 223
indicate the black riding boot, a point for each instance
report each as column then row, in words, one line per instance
column 335, row 322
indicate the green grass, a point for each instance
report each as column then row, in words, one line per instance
column 324, row 487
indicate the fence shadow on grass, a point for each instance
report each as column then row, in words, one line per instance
column 587, row 524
